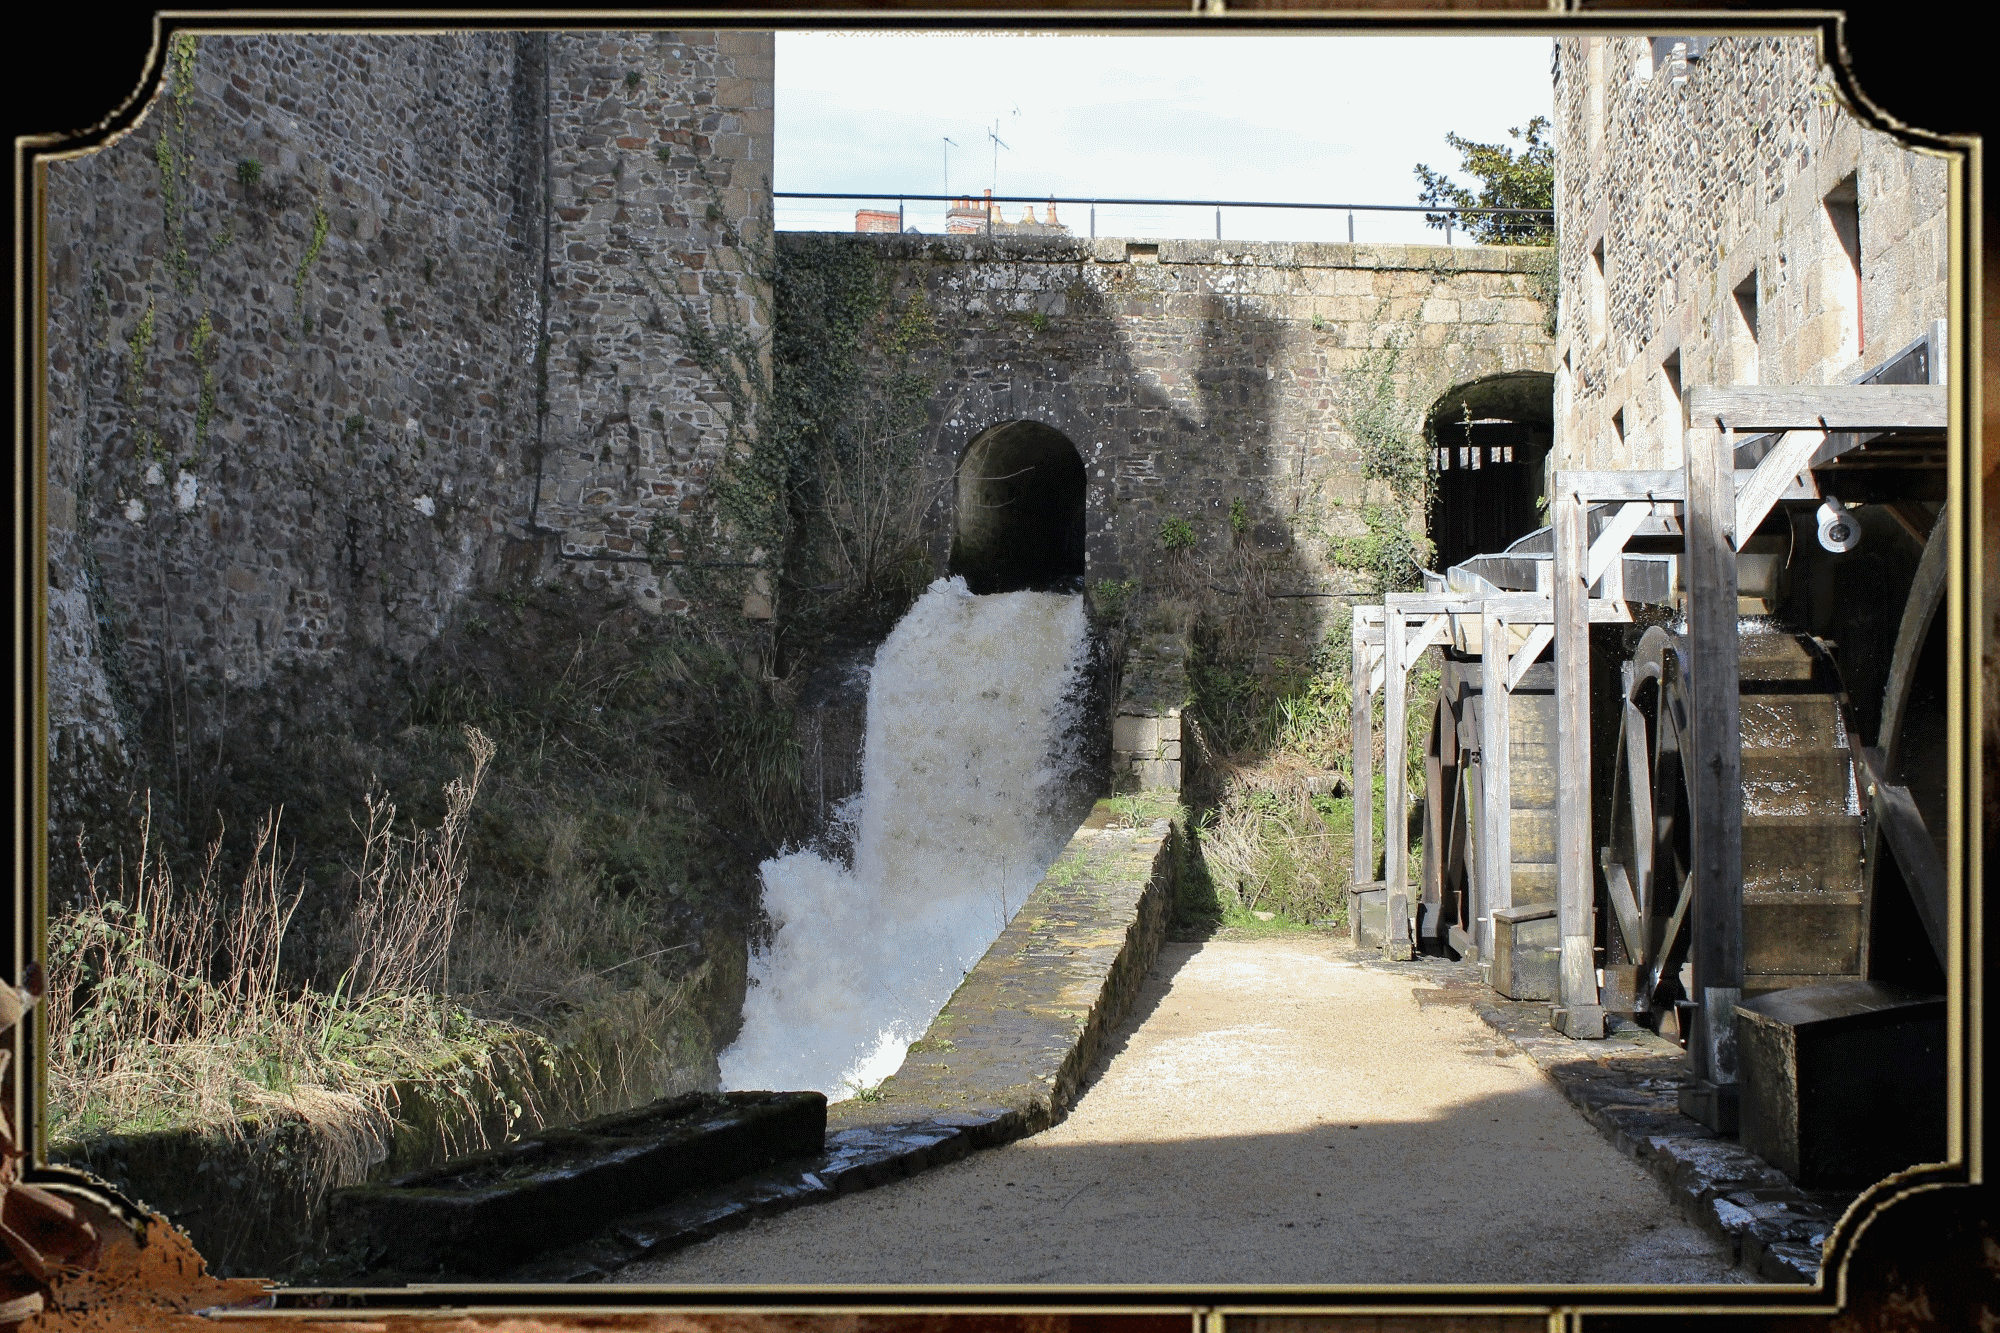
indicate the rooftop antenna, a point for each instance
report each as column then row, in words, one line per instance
column 949, row 144
column 998, row 144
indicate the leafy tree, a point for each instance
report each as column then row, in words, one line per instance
column 1508, row 179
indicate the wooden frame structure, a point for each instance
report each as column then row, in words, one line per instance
column 1714, row 507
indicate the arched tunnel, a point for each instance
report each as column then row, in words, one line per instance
column 1492, row 438
column 1020, row 511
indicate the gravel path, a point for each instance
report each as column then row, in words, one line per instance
column 1271, row 1112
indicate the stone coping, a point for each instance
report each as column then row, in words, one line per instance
column 1003, row 1059
column 1051, row 249
column 1627, row 1086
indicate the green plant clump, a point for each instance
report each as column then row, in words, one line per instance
column 1177, row 534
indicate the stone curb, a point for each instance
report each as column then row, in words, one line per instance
column 1627, row 1086
column 1004, row 1058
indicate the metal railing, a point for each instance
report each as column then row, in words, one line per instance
column 1432, row 211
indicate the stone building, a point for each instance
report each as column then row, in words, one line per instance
column 1724, row 220
column 967, row 217
column 347, row 324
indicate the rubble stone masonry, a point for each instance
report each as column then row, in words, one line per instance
column 347, row 325
column 1697, row 195
column 1196, row 375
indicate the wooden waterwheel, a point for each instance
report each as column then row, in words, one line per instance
column 1804, row 897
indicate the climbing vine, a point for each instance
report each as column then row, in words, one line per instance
column 1382, row 418
column 821, row 480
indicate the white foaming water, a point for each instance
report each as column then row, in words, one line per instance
column 957, row 820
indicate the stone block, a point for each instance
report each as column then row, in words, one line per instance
column 1842, row 1083
column 1527, row 952
column 1138, row 735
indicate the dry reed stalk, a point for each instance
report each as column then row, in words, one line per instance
column 409, row 889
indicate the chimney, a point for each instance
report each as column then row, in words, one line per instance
column 1028, row 215
column 1052, row 210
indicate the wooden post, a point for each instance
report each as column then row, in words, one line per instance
column 1715, row 772
column 1577, row 1012
column 1496, row 819
column 1395, row 765
column 1363, row 730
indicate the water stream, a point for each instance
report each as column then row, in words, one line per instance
column 963, row 804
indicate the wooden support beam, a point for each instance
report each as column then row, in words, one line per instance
column 1496, row 819
column 1524, row 657
column 1434, row 630
column 1778, row 470
column 1828, row 407
column 1577, row 1012
column 1714, row 766
column 1396, row 858
column 1610, row 543
column 1596, row 487
column 1666, row 491
column 1361, row 728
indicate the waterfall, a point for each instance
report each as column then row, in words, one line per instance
column 965, row 785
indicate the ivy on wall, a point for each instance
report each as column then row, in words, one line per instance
column 819, row 495
column 1382, row 417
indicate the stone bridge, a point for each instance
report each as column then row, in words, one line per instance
column 1227, row 385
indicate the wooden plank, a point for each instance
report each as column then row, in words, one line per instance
column 1361, row 725
column 1661, row 489
column 1534, row 608
column 1538, row 639
column 1430, row 603
column 1593, row 486
column 1494, row 841
column 1576, row 887
column 1395, row 773
column 1742, row 407
column 1779, row 469
column 1714, row 761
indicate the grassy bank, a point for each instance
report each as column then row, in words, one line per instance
column 544, row 830
column 1273, row 783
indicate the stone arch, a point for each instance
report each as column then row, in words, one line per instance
column 1491, row 436
column 1020, row 510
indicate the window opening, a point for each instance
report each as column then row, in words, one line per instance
column 1743, row 334
column 1842, row 263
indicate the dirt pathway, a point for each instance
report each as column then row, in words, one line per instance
column 1273, row 1112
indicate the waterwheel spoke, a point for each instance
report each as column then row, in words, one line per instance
column 1639, row 793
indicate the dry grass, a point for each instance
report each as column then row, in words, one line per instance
column 1272, row 844
column 169, row 1004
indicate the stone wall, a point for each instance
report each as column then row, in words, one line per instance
column 347, row 325
column 1695, row 180
column 1204, row 379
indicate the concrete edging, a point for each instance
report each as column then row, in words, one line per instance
column 1004, row 1059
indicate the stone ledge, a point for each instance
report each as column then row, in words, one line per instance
column 1004, row 1059
column 1048, row 248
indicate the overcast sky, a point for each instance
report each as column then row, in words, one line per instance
column 1298, row 117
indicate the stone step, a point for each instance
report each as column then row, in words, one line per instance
column 1798, row 782
column 1791, row 936
column 1801, row 853
column 1789, row 721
